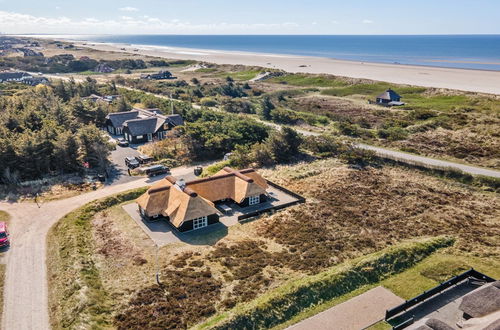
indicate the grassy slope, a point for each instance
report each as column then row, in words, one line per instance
column 76, row 294
column 423, row 276
column 290, row 299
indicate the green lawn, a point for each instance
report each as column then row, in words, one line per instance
column 304, row 80
column 436, row 269
column 241, row 75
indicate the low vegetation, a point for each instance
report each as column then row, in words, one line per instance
column 349, row 214
column 4, row 216
column 287, row 301
column 77, row 297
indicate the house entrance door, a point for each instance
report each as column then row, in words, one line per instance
column 150, row 137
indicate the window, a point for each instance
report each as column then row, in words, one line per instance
column 200, row 222
column 139, row 136
column 253, row 200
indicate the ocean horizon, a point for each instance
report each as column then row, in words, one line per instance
column 480, row 52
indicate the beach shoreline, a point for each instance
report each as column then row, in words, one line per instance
column 470, row 80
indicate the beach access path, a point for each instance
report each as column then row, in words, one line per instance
column 26, row 287
column 480, row 81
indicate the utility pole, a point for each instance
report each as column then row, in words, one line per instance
column 157, row 266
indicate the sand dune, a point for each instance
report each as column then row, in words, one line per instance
column 480, row 81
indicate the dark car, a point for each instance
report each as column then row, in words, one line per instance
column 156, row 170
column 144, row 159
column 198, row 170
column 122, row 142
column 131, row 162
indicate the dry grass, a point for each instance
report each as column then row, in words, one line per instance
column 467, row 145
column 349, row 213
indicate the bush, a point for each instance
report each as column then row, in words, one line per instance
column 393, row 133
column 208, row 102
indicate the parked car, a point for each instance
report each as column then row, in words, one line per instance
column 143, row 159
column 131, row 162
column 122, row 142
column 4, row 235
column 156, row 170
column 198, row 170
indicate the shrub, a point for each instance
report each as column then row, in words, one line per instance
column 208, row 102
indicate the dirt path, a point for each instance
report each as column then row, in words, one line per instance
column 26, row 290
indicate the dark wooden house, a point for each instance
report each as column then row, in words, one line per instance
column 142, row 125
column 389, row 98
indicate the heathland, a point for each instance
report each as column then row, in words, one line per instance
column 366, row 221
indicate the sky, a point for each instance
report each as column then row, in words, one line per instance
column 250, row 17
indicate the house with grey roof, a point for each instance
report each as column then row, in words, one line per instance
column 142, row 125
column 389, row 98
column 14, row 76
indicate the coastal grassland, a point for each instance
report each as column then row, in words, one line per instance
column 349, row 218
column 77, row 297
column 241, row 75
column 447, row 124
column 290, row 299
column 308, row 80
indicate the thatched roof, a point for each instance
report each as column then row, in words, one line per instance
column 186, row 201
column 483, row 301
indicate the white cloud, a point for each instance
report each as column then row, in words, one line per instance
column 335, row 22
column 367, row 21
column 129, row 9
column 314, row 23
column 17, row 23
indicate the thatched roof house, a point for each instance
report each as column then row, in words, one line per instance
column 191, row 205
column 481, row 302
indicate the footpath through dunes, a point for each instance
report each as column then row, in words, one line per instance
column 25, row 290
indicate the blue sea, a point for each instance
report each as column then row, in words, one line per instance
column 455, row 51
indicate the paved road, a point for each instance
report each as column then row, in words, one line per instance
column 26, row 290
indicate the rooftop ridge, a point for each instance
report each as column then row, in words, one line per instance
column 186, row 190
column 238, row 174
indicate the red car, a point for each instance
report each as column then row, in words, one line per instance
column 4, row 235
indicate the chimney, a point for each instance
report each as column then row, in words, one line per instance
column 181, row 184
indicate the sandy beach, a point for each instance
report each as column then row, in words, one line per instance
column 480, row 81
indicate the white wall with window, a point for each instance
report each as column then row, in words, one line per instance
column 254, row 200
column 200, row 222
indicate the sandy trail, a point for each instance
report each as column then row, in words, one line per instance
column 26, row 289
